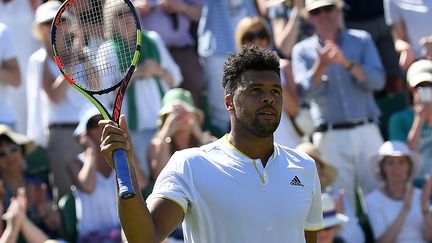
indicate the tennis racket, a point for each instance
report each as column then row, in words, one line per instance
column 96, row 45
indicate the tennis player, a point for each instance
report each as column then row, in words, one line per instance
column 241, row 188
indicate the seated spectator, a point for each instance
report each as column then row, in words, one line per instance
column 399, row 212
column 350, row 231
column 180, row 128
column 94, row 181
column 331, row 220
column 254, row 31
column 413, row 125
column 17, row 222
column 41, row 209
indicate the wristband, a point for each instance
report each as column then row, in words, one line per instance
column 350, row 66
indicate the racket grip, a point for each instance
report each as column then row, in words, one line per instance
column 124, row 180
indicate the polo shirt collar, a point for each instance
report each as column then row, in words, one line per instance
column 237, row 154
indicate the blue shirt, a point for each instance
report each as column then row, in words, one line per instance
column 216, row 29
column 340, row 97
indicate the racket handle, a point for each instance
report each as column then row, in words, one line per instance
column 124, row 180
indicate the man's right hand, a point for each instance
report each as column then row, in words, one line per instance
column 115, row 137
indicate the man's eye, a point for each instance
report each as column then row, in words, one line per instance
column 276, row 91
column 255, row 90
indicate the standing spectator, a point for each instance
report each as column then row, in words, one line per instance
column 18, row 15
column 412, row 35
column 254, row 31
column 397, row 211
column 174, row 21
column 414, row 124
column 9, row 76
column 215, row 42
column 54, row 107
column 338, row 70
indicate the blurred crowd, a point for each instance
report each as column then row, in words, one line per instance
column 357, row 98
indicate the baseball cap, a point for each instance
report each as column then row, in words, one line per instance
column 18, row 138
column 420, row 71
column 314, row 4
column 86, row 113
column 179, row 96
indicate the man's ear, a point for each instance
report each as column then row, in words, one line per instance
column 229, row 102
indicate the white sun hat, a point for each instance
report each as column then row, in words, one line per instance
column 330, row 215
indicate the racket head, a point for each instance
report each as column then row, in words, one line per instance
column 96, row 45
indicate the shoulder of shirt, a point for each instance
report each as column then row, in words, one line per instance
column 298, row 158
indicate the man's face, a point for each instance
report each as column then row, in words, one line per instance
column 257, row 102
column 325, row 18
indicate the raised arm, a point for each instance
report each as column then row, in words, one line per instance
column 140, row 224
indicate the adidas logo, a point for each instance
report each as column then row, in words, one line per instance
column 296, row 181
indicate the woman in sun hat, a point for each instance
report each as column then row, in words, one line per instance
column 180, row 127
column 351, row 231
column 332, row 220
column 397, row 211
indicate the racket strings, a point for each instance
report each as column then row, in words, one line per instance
column 96, row 42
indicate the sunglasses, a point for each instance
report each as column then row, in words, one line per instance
column 11, row 149
column 317, row 11
column 251, row 36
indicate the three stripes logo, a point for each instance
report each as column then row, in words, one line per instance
column 296, row 181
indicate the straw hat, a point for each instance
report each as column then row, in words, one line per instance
column 394, row 148
column 17, row 138
column 329, row 171
column 330, row 216
column 314, row 4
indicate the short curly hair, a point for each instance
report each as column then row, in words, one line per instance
column 248, row 58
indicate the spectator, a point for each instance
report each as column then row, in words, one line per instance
column 156, row 73
column 332, row 220
column 398, row 212
column 175, row 21
column 41, row 210
column 215, row 42
column 17, row 222
column 53, row 104
column 351, row 230
column 255, row 31
column 180, row 128
column 412, row 37
column 414, row 124
column 18, row 15
column 9, row 76
column 338, row 70
column 93, row 179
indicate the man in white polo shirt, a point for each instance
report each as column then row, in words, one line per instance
column 241, row 188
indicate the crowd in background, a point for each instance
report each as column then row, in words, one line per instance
column 357, row 98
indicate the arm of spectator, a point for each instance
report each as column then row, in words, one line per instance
column 308, row 77
column 400, row 39
column 83, row 175
column 142, row 7
column 425, row 204
column 32, row 233
column 286, row 32
column 290, row 96
column 426, row 42
column 192, row 11
column 54, row 87
column 10, row 72
column 14, row 217
column 421, row 112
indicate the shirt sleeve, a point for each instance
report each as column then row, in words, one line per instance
column 7, row 48
column 314, row 220
column 392, row 12
column 173, row 183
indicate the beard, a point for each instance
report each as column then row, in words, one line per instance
column 254, row 125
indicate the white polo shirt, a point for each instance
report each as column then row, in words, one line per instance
column 229, row 197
